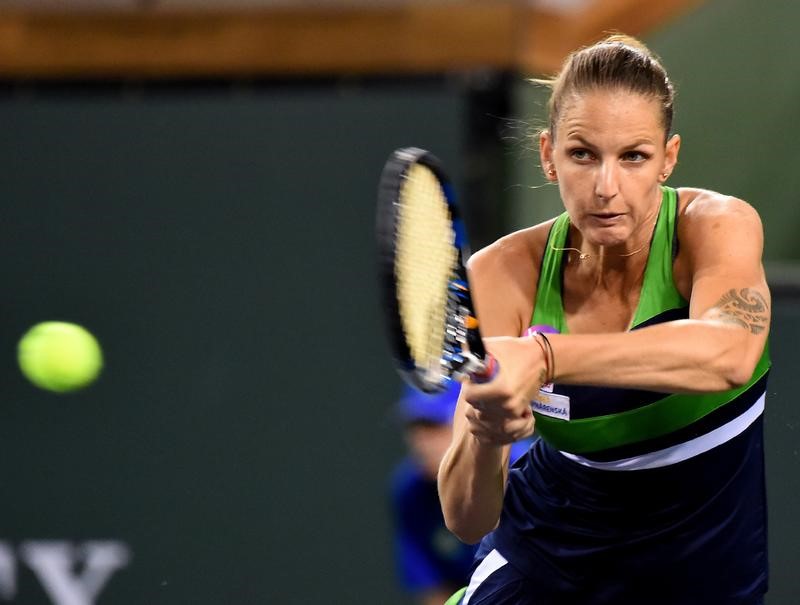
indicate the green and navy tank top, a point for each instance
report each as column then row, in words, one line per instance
column 631, row 429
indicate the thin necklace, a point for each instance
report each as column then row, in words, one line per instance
column 585, row 255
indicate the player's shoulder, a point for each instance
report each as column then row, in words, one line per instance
column 698, row 206
column 710, row 226
column 503, row 277
column 512, row 253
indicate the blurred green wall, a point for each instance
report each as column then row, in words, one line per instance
column 219, row 242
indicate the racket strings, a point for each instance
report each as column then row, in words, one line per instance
column 425, row 263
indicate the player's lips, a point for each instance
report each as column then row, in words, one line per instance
column 606, row 217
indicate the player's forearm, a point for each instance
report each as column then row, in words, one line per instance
column 471, row 486
column 679, row 356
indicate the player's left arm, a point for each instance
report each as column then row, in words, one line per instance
column 724, row 242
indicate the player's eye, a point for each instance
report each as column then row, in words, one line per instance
column 634, row 156
column 581, row 154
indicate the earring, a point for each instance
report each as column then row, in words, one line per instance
column 551, row 172
column 664, row 175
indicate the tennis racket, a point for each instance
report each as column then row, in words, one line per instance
column 422, row 248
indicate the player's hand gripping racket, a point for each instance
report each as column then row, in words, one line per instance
column 422, row 250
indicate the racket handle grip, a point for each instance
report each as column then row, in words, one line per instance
column 488, row 372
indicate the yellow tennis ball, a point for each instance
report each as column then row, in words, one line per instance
column 59, row 356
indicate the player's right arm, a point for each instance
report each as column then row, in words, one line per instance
column 473, row 472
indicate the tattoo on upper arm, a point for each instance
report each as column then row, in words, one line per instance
column 746, row 308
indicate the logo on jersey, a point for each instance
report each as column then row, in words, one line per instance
column 547, row 403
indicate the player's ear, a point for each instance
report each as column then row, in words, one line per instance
column 671, row 154
column 546, row 155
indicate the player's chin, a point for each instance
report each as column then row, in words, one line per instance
column 609, row 237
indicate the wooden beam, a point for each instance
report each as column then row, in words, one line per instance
column 417, row 37
column 551, row 36
column 308, row 41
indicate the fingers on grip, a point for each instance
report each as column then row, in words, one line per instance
column 488, row 372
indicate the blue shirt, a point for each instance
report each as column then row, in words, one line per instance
column 427, row 554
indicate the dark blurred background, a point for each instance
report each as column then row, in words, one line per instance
column 195, row 183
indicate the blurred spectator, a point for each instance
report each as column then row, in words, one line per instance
column 431, row 562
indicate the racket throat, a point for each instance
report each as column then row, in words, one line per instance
column 464, row 352
column 466, row 366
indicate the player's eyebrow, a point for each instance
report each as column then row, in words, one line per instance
column 644, row 140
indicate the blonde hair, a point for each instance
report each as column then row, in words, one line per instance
column 617, row 62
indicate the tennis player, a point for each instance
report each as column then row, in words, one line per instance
column 647, row 485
